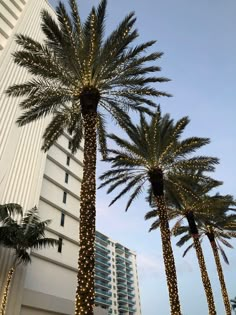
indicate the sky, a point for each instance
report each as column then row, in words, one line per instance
column 199, row 45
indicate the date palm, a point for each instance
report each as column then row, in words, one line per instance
column 155, row 154
column 209, row 218
column 195, row 210
column 78, row 76
column 22, row 235
column 9, row 209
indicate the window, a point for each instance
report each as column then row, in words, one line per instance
column 113, row 259
column 68, row 160
column 115, row 303
column 64, row 197
column 114, row 273
column 69, row 145
column 114, row 287
column 62, row 219
column 59, row 249
column 66, row 177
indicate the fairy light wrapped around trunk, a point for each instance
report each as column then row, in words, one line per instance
column 156, row 179
column 224, row 292
column 6, row 291
column 86, row 263
column 201, row 261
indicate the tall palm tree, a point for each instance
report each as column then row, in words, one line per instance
column 22, row 235
column 78, row 76
column 197, row 209
column 207, row 218
column 155, row 153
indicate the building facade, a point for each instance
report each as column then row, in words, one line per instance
column 116, row 278
column 51, row 182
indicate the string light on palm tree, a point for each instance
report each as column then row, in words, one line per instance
column 154, row 153
column 78, row 77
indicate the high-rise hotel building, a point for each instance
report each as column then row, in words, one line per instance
column 51, row 182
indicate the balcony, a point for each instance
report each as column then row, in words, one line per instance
column 101, row 284
column 130, row 280
column 121, row 285
column 102, row 248
column 99, row 260
column 121, row 278
column 123, row 308
column 101, row 236
column 130, row 294
column 122, row 301
column 102, row 301
column 102, row 292
column 121, row 269
column 122, row 292
column 102, row 276
column 102, row 270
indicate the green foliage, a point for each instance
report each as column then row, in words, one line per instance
column 76, row 57
column 157, row 145
column 23, row 233
column 9, row 209
column 213, row 219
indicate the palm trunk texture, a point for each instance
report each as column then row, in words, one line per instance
column 204, row 275
column 6, row 291
column 168, row 256
column 84, row 303
column 193, row 229
column 221, row 278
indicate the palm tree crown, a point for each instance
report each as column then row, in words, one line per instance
column 9, row 209
column 156, row 152
column 25, row 234
column 76, row 69
column 21, row 233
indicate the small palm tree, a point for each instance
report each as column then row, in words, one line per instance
column 22, row 235
column 9, row 209
column 155, row 154
column 78, row 76
column 208, row 218
column 233, row 303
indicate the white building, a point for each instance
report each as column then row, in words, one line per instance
column 52, row 182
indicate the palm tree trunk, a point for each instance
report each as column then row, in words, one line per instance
column 86, row 263
column 193, row 229
column 168, row 256
column 221, row 278
column 6, row 291
column 204, row 275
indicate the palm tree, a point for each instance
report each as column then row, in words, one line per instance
column 209, row 213
column 155, row 153
column 197, row 209
column 78, row 76
column 233, row 303
column 22, row 235
column 9, row 209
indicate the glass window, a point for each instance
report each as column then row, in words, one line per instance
column 59, row 249
column 64, row 197
column 69, row 145
column 62, row 219
column 66, row 177
column 68, row 160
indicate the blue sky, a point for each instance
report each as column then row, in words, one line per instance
column 198, row 39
